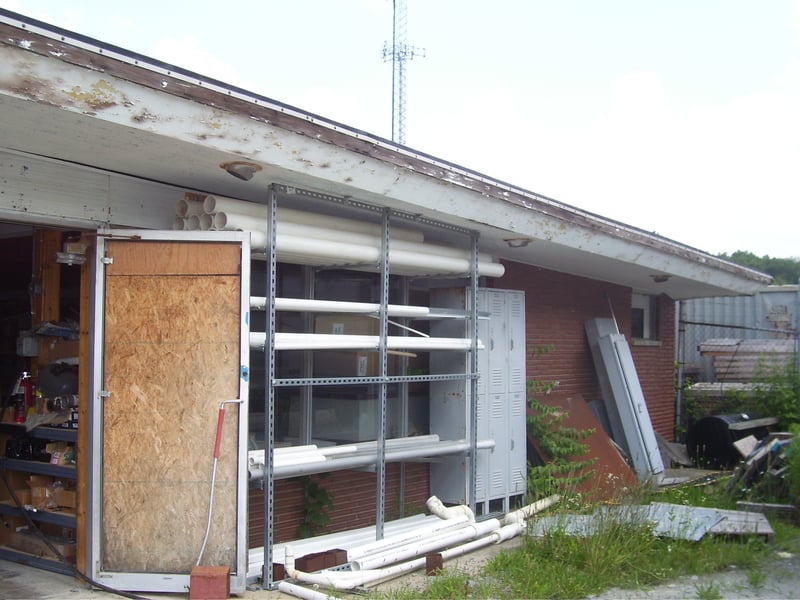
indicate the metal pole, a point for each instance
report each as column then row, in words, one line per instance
column 269, row 403
column 384, row 327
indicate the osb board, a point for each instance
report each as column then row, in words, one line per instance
column 171, row 357
column 173, row 258
column 610, row 473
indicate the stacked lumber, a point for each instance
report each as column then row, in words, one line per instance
column 744, row 360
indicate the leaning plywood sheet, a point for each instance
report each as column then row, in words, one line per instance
column 624, row 399
column 171, row 356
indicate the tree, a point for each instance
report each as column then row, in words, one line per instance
column 783, row 270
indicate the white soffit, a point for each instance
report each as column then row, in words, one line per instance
column 100, row 107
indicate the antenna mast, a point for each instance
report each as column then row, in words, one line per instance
column 399, row 53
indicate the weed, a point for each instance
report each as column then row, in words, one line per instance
column 756, row 578
column 708, row 592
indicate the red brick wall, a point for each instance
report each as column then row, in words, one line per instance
column 557, row 305
column 655, row 365
column 354, row 500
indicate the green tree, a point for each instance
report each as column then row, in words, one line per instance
column 783, row 270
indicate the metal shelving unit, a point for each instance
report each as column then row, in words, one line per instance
column 61, row 518
column 468, row 376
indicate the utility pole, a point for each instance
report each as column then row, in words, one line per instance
column 399, row 53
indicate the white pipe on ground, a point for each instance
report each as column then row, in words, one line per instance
column 412, row 536
column 469, row 531
column 437, row 507
column 299, row 591
column 526, row 512
column 343, row 580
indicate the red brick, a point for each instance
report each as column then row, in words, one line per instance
column 210, row 583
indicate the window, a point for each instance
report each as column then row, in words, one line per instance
column 643, row 317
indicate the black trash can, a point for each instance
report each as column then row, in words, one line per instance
column 710, row 440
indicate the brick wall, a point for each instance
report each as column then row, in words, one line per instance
column 354, row 501
column 557, row 305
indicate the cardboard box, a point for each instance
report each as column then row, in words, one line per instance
column 40, row 492
column 65, row 498
column 349, row 363
column 8, row 528
column 23, row 494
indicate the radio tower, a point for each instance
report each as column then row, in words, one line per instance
column 399, row 53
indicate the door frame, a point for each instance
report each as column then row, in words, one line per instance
column 162, row 582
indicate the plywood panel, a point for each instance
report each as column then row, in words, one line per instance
column 173, row 258
column 171, row 357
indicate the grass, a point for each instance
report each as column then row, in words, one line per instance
column 618, row 554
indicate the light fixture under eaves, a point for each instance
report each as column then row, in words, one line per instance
column 241, row 169
column 519, row 242
column 660, row 278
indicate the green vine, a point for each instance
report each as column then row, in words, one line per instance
column 561, row 471
column 317, row 503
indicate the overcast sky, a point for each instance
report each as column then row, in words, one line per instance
column 680, row 117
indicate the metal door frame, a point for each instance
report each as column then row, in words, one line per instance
column 162, row 582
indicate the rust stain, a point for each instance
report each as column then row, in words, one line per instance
column 144, row 116
column 100, row 95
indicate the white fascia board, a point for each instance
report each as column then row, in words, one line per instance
column 443, row 192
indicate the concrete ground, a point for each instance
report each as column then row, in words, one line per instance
column 780, row 579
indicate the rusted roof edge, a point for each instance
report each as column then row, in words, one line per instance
column 49, row 40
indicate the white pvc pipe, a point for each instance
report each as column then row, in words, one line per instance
column 422, row 547
column 314, row 251
column 217, row 204
column 232, row 222
column 351, row 462
column 343, row 580
column 335, row 306
column 407, row 537
column 299, row 591
column 206, row 222
column 526, row 512
column 326, row 341
column 193, row 222
column 186, row 207
column 437, row 507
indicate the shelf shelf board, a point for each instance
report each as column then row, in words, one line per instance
column 57, row 434
column 40, row 468
column 47, row 564
column 60, row 518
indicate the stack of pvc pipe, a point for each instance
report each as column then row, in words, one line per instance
column 322, row 341
column 317, row 239
column 303, row 460
column 379, row 561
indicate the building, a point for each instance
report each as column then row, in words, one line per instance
column 240, row 276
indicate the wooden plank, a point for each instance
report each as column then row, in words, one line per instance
column 171, row 358
column 173, row 258
column 83, row 463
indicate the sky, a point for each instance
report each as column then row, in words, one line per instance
column 679, row 117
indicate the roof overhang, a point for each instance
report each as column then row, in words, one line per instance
column 71, row 101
